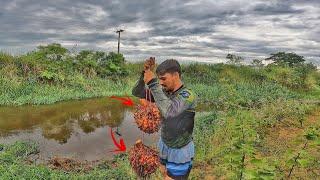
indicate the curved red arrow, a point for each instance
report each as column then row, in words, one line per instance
column 121, row 147
column 125, row 101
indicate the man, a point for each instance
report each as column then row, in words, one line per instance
column 177, row 107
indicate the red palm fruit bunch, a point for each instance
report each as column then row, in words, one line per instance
column 147, row 117
column 143, row 159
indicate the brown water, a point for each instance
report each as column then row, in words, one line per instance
column 76, row 129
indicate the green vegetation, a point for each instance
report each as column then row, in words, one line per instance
column 52, row 73
column 14, row 165
column 259, row 122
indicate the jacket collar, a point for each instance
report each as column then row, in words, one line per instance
column 176, row 91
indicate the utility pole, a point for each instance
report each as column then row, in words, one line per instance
column 119, row 31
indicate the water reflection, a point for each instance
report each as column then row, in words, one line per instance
column 58, row 121
column 76, row 128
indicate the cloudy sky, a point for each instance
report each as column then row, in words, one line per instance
column 203, row 30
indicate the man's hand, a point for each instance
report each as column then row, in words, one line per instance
column 149, row 64
column 148, row 75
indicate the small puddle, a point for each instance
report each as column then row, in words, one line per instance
column 74, row 129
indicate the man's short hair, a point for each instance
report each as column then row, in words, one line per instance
column 169, row 66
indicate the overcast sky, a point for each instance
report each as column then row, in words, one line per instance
column 203, row 30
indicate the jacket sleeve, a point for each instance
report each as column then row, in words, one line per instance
column 184, row 101
column 139, row 90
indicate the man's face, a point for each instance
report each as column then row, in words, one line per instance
column 168, row 80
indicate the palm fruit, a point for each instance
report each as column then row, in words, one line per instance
column 147, row 116
column 143, row 159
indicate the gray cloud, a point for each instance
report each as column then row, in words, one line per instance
column 203, row 30
column 275, row 8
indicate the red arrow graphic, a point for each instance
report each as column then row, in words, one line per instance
column 121, row 147
column 125, row 101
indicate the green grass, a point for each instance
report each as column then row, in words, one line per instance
column 234, row 145
column 14, row 165
column 242, row 105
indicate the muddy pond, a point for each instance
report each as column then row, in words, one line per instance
column 78, row 129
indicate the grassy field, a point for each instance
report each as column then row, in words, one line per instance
column 257, row 122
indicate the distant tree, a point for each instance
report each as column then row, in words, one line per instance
column 234, row 59
column 53, row 48
column 283, row 59
column 53, row 51
column 257, row 63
